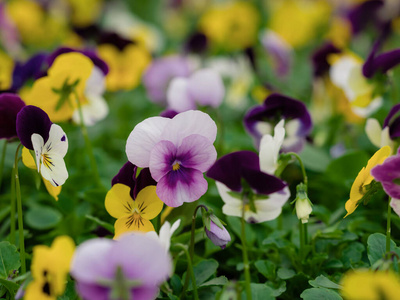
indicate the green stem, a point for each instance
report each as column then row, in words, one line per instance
column 303, row 170
column 389, row 213
column 301, row 236
column 246, row 265
column 190, row 269
column 19, row 208
column 3, row 156
column 305, row 233
column 12, row 210
column 88, row 144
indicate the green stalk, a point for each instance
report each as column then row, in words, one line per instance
column 246, row 265
column 89, row 149
column 20, row 218
column 301, row 237
column 190, row 269
column 3, row 156
column 303, row 170
column 12, row 210
column 389, row 214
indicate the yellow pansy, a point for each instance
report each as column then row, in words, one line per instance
column 298, row 22
column 6, row 71
column 85, row 13
column 49, row 269
column 132, row 215
column 29, row 161
column 54, row 93
column 339, row 32
column 231, row 26
column 125, row 66
column 364, row 177
column 370, row 285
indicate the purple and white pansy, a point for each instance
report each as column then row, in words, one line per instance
column 261, row 120
column 177, row 151
column 49, row 142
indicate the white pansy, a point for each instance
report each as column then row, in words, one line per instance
column 270, row 147
column 166, row 232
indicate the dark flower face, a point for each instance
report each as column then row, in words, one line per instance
column 393, row 121
column 319, row 58
column 10, row 105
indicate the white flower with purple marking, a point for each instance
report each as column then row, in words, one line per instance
column 48, row 140
column 178, row 151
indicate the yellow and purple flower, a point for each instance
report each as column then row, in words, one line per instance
column 177, row 151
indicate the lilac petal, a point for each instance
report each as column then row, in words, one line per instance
column 395, row 204
column 183, row 185
column 206, row 88
column 141, row 258
column 89, row 291
column 196, row 152
column 229, row 168
column 162, row 158
column 30, row 120
column 10, row 105
column 178, row 97
column 219, row 236
column 387, row 173
column 261, row 182
column 188, row 123
column 143, row 138
column 319, row 58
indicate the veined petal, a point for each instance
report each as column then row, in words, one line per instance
column 196, row 152
column 143, row 138
column 57, row 142
column 131, row 222
column 53, row 169
column 162, row 158
column 148, row 203
column 183, row 185
column 178, row 97
column 118, row 201
column 37, row 143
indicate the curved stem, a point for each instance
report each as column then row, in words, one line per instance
column 389, row 214
column 19, row 208
column 3, row 156
column 246, row 265
column 190, row 269
column 303, row 170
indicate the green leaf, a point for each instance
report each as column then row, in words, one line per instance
column 322, row 281
column 9, row 259
column 320, row 294
column 43, row 217
column 260, row 291
column 203, row 271
column 314, row 158
column 352, row 254
column 285, row 273
column 222, row 280
column 12, row 287
column 377, row 247
column 266, row 268
column 106, row 225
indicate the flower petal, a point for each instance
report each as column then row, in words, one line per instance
column 162, row 158
column 143, row 138
column 131, row 223
column 270, row 147
column 178, row 97
column 28, row 159
column 148, row 203
column 183, row 185
column 10, row 105
column 37, row 142
column 118, row 201
column 57, row 142
column 53, row 169
column 374, row 131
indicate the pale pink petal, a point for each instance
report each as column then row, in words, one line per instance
column 178, row 97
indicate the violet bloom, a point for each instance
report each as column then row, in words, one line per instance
column 10, row 105
column 261, row 120
column 178, row 151
column 49, row 142
column 161, row 71
column 204, row 87
column 131, row 268
column 263, row 194
column 380, row 63
column 219, row 236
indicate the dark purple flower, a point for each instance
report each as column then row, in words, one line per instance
column 31, row 69
column 219, row 236
column 134, row 266
column 393, row 121
column 261, row 120
column 196, row 43
column 319, row 58
column 10, row 106
column 380, row 63
column 388, row 174
column 366, row 13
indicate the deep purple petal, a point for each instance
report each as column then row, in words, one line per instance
column 229, row 168
column 196, row 43
column 261, row 182
column 10, row 105
column 114, row 39
column 182, row 185
column 364, row 13
column 386, row 173
column 126, row 175
column 168, row 113
column 319, row 58
column 144, row 179
column 395, row 109
column 393, row 122
column 381, row 63
column 30, row 69
column 30, row 120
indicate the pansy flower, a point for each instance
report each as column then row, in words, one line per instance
column 133, row 200
column 177, row 151
column 49, row 142
column 165, row 234
column 132, row 267
column 364, row 178
column 6, row 71
column 261, row 120
column 10, row 105
column 49, row 269
column 242, row 185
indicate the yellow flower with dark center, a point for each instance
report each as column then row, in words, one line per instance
column 364, row 178
column 132, row 215
column 231, row 26
column 370, row 285
column 56, row 92
column 49, row 268
column 6, row 71
column 126, row 66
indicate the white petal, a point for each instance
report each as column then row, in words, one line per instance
column 270, row 147
column 143, row 138
column 178, row 97
column 96, row 82
column 233, row 206
column 364, row 112
column 271, row 208
column 264, row 127
column 37, row 143
column 292, row 127
column 340, row 71
column 57, row 142
column 374, row 131
column 96, row 109
column 395, row 204
column 54, row 170
column 385, row 138
column 188, row 123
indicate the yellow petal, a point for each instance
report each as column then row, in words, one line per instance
column 377, row 159
column 132, row 222
column 27, row 158
column 147, row 203
column 34, row 291
column 54, row 191
column 118, row 201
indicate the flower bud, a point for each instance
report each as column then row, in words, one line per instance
column 303, row 205
column 218, row 235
